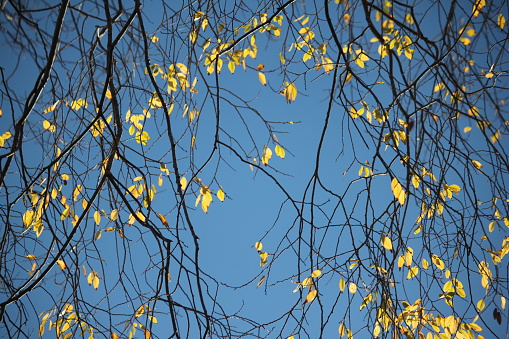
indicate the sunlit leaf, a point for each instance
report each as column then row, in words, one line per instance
column 220, row 195
column 412, row 272
column 267, row 154
column 316, row 273
column 342, row 284
column 352, row 288
column 386, row 243
column 97, row 217
column 258, row 246
column 263, row 258
column 311, row 296
column 183, row 183
column 501, row 21
column 262, row 79
column 290, row 92
column 61, row 264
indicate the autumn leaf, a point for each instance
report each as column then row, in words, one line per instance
column 61, row 264
column 220, row 195
column 262, row 79
column 290, row 92
column 387, row 243
column 311, row 296
column 267, row 154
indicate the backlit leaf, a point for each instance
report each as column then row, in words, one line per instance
column 412, row 272
column 97, row 217
column 183, row 183
column 386, row 243
column 352, row 288
column 258, row 246
column 263, row 258
column 311, row 296
column 316, row 273
column 280, row 152
column 220, row 195
column 290, row 92
column 61, row 264
column 262, row 79
column 342, row 284
column 267, row 154
column 501, row 21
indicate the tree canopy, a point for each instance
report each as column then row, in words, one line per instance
column 262, row 169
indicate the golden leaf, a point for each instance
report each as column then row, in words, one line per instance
column 262, row 79
column 280, row 152
column 183, row 183
column 352, row 288
column 311, row 296
column 342, row 284
column 263, row 258
column 97, row 217
column 61, row 264
column 267, row 154
column 412, row 272
column 220, row 195
column 501, row 21
column 386, row 243
column 316, row 273
column 258, row 246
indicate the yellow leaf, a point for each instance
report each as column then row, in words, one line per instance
column 502, row 302
column 316, row 273
column 480, row 305
column 28, row 218
column 183, row 183
column 262, row 79
column 409, row 256
column 477, row 7
column 260, row 282
column 153, row 319
column 280, row 152
column 96, row 282
column 477, row 164
column 341, row 330
column 258, row 246
column 398, row 191
column 352, row 288
column 501, row 21
column 467, row 129
column 311, row 296
column 97, row 217
column 263, row 258
column 425, row 264
column 412, row 272
column 491, row 226
column 267, row 154
column 31, row 257
column 98, row 234
column 387, row 243
column 76, row 192
column 114, row 215
column 290, row 92
column 54, row 106
column 220, row 195
column 342, row 284
column 61, row 264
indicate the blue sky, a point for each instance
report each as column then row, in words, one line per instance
column 347, row 209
